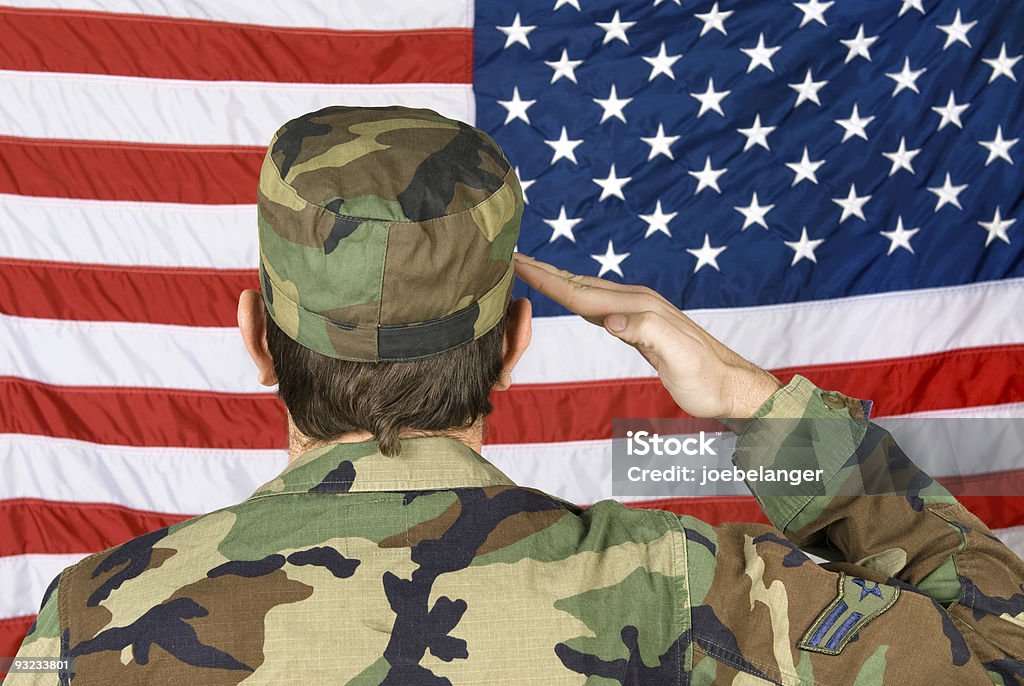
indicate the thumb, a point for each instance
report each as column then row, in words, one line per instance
column 642, row 330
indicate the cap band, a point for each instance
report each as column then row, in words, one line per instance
column 390, row 342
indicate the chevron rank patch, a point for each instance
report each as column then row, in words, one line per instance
column 859, row 601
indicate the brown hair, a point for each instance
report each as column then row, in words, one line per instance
column 328, row 397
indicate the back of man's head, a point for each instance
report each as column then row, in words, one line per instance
column 386, row 238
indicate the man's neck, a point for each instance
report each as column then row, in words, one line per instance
column 299, row 443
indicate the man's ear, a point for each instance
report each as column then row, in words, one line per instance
column 518, row 331
column 252, row 323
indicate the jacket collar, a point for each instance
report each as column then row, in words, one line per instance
column 424, row 464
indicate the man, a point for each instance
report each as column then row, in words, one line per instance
column 390, row 552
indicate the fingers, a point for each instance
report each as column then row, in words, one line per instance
column 591, row 281
column 590, row 297
column 590, row 302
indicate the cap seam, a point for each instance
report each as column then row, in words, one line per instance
column 380, row 303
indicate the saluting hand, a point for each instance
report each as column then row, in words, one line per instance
column 705, row 378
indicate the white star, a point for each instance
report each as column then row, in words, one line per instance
column 573, row 3
column 714, row 20
column 899, row 237
column 610, row 261
column 516, row 33
column 658, row 221
column 951, row 112
column 707, row 177
column 754, row 213
column 855, row 125
column 710, row 99
column 999, row 147
column 902, row 158
column 615, row 29
column 813, row 11
column 760, row 56
column 658, row 2
column 912, row 5
column 1003, row 65
column 906, row 79
column 660, row 143
column 612, row 185
column 613, row 106
column 947, row 194
column 805, row 169
column 957, row 31
column 858, row 46
column 808, row 90
column 564, row 67
column 852, row 204
column 662, row 63
column 804, row 248
column 562, row 226
column 525, row 185
column 757, row 134
column 997, row 228
column 516, row 107
column 564, row 148
column 706, row 255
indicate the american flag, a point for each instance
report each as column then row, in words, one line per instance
column 831, row 188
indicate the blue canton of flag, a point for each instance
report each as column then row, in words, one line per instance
column 750, row 153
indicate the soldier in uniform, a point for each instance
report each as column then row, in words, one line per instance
column 390, row 552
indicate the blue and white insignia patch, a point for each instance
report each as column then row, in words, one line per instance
column 859, row 602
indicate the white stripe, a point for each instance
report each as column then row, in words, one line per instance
column 169, row 480
column 128, row 233
column 870, row 327
column 25, row 579
column 1013, row 538
column 142, row 110
column 343, row 15
column 577, row 471
column 847, row 330
column 63, row 352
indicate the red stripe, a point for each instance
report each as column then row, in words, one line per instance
column 714, row 511
column 102, row 170
column 156, row 295
column 997, row 512
column 29, row 525
column 544, row 413
column 136, row 45
column 12, row 632
column 143, row 416
column 540, row 413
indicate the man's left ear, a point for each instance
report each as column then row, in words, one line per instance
column 518, row 331
column 252, row 323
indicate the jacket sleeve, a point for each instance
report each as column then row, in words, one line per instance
column 874, row 509
column 41, row 643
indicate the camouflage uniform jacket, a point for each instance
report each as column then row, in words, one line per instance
column 433, row 568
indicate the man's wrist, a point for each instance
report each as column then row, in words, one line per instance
column 749, row 388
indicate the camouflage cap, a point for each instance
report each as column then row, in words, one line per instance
column 386, row 233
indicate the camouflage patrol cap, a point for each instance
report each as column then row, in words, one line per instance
column 386, row 233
